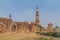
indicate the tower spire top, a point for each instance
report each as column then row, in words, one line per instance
column 10, row 16
column 36, row 8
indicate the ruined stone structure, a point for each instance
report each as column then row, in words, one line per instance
column 8, row 25
column 50, row 27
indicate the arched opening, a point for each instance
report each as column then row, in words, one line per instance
column 13, row 28
column 2, row 27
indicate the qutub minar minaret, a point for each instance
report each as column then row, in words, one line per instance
column 37, row 18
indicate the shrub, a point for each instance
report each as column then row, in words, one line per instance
column 44, row 38
column 54, row 34
column 41, row 38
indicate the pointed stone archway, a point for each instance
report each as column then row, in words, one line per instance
column 14, row 28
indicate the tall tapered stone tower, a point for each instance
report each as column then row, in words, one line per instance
column 37, row 16
column 37, row 19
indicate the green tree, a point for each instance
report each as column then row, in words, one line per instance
column 56, row 26
column 41, row 27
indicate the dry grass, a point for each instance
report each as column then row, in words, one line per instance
column 18, row 36
column 23, row 36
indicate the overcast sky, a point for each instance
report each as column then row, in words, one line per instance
column 24, row 10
